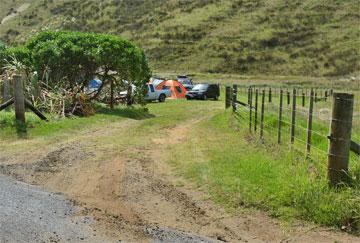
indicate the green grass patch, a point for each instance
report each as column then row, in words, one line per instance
column 238, row 170
column 35, row 127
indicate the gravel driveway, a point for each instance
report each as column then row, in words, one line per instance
column 28, row 214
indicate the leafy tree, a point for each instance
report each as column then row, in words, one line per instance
column 72, row 59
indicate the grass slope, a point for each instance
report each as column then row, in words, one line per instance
column 301, row 37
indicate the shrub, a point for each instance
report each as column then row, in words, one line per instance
column 71, row 59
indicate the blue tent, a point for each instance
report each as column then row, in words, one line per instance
column 95, row 84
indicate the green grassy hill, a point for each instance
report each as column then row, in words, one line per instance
column 278, row 37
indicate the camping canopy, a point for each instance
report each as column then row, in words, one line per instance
column 178, row 91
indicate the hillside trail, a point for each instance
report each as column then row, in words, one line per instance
column 18, row 11
column 130, row 190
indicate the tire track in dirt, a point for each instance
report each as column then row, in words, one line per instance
column 106, row 189
column 211, row 220
column 130, row 191
column 158, row 202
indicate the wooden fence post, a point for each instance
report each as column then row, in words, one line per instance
column 309, row 125
column 340, row 138
column 112, row 94
column 293, row 117
column 280, row 116
column 303, row 99
column 326, row 95
column 262, row 115
column 250, row 109
column 248, row 92
column 19, row 99
column 256, row 109
column 234, row 97
column 288, row 97
column 270, row 95
column 227, row 97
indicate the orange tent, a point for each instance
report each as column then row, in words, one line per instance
column 178, row 91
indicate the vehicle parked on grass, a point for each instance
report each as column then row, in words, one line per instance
column 151, row 95
column 204, row 92
column 156, row 81
column 185, row 81
column 154, row 94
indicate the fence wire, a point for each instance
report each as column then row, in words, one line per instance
column 321, row 119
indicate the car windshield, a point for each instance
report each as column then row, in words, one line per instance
column 184, row 81
column 201, row 87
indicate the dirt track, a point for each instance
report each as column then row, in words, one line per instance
column 129, row 191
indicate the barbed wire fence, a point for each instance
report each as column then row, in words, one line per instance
column 322, row 124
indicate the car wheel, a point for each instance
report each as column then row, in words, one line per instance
column 204, row 97
column 188, row 98
column 162, row 98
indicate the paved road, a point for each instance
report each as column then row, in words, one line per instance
column 28, row 214
column 161, row 235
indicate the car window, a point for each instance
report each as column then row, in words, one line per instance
column 166, row 87
column 201, row 87
column 151, row 88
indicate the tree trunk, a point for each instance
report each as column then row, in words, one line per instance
column 129, row 96
column 111, row 94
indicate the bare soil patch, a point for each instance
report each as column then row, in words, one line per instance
column 130, row 192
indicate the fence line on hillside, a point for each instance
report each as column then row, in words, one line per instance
column 273, row 110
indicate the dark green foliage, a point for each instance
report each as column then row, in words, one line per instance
column 19, row 53
column 72, row 59
column 77, row 57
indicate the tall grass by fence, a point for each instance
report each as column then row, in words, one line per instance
column 321, row 124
